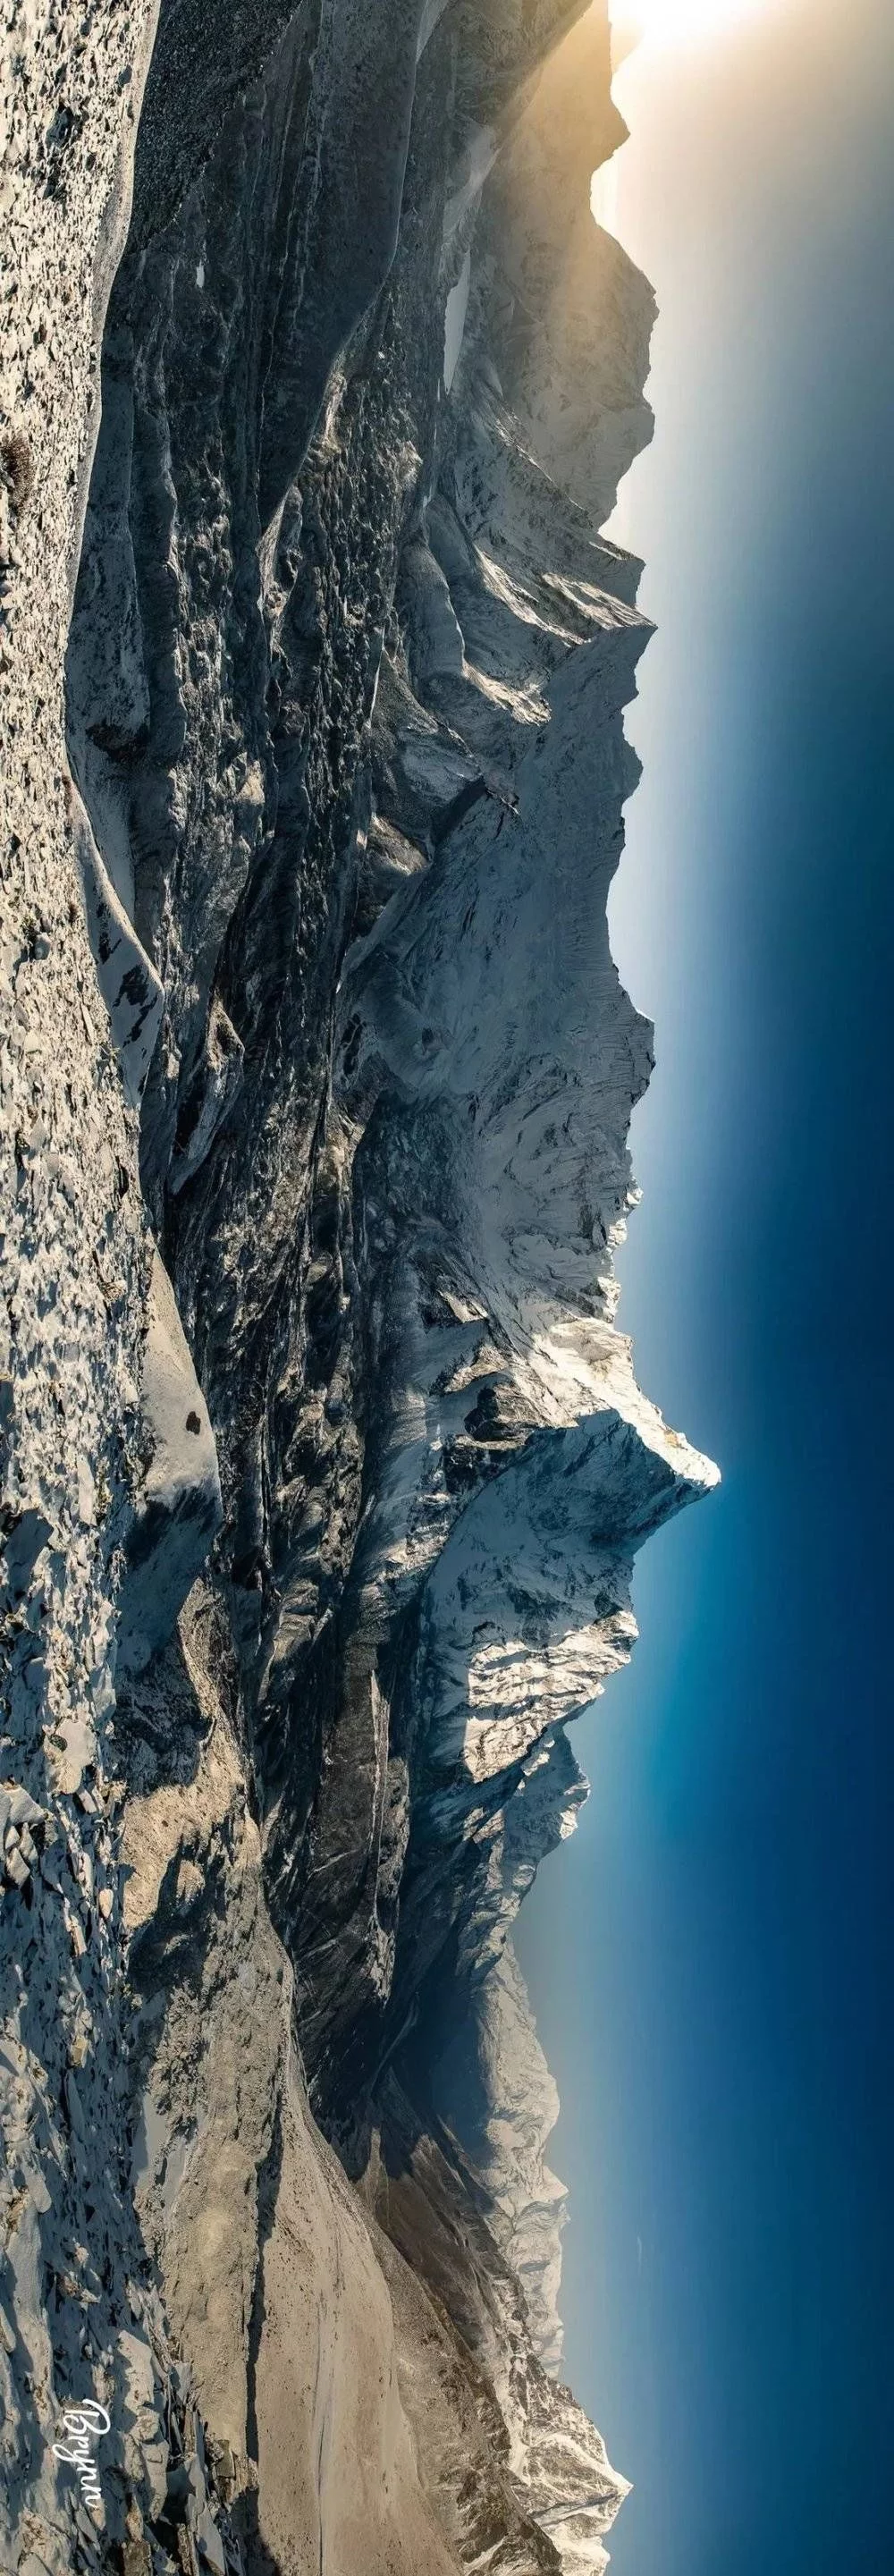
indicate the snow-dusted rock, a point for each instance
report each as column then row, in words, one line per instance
column 178, row 1508
column 493, row 2088
column 130, row 988
column 346, row 672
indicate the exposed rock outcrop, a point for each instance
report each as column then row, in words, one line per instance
column 325, row 1464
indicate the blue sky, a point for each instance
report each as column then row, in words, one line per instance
column 725, row 2061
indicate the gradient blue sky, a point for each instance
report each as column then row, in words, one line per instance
column 711, row 1958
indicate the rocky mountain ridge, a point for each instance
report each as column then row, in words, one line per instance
column 325, row 1462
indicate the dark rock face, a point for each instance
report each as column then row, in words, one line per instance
column 345, row 684
column 340, row 703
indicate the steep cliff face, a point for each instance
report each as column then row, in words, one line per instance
column 325, row 1462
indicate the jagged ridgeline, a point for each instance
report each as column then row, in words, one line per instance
column 325, row 1465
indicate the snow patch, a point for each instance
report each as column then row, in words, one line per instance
column 455, row 321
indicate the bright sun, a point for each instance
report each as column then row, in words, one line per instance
column 667, row 21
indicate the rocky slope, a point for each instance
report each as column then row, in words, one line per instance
column 324, row 1461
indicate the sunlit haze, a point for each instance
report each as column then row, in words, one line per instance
column 670, row 22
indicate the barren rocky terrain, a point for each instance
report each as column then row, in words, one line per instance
column 324, row 1460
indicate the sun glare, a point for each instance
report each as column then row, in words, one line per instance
column 669, row 22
